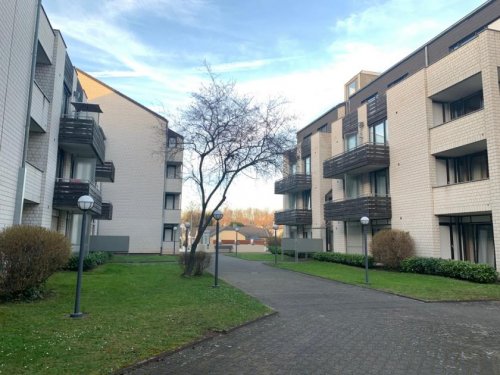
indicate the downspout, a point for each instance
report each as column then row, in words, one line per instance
column 21, row 179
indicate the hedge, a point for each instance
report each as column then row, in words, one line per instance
column 90, row 261
column 357, row 260
column 457, row 269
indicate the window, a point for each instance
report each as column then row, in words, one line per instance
column 351, row 141
column 172, row 171
column 465, row 40
column 169, row 234
column 352, row 87
column 171, row 202
column 323, row 128
column 466, row 105
column 172, row 142
column 307, row 165
column 352, row 186
column 379, row 182
column 306, row 200
column 378, row 133
column 293, row 168
column 473, row 167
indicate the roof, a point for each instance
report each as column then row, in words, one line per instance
column 123, row 95
column 249, row 231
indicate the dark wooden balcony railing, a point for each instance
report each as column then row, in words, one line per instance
column 67, row 192
column 105, row 172
column 292, row 184
column 375, row 207
column 82, row 136
column 365, row 158
column 293, row 217
column 106, row 212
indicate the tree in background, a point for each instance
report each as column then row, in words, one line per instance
column 227, row 134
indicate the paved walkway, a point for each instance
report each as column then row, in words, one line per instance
column 324, row 327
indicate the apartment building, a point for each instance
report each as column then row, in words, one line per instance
column 53, row 148
column 147, row 190
column 415, row 148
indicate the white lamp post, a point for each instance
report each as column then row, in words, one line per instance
column 217, row 216
column 187, row 226
column 275, row 227
column 237, row 229
column 364, row 223
column 175, row 235
column 85, row 203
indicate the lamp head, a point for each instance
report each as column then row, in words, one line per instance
column 364, row 220
column 218, row 215
column 187, row 225
column 275, row 226
column 85, row 202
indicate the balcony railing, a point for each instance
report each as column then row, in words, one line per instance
column 365, row 158
column 67, row 192
column 39, row 108
column 106, row 212
column 82, row 136
column 375, row 207
column 105, row 172
column 293, row 217
column 292, row 184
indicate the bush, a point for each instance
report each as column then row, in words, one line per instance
column 391, row 246
column 28, row 256
column 357, row 260
column 457, row 269
column 201, row 261
column 90, row 261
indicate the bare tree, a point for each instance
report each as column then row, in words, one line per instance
column 227, row 135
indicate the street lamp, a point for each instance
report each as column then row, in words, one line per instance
column 275, row 227
column 85, row 203
column 175, row 234
column 217, row 216
column 364, row 223
column 237, row 229
column 187, row 226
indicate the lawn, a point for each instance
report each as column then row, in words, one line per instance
column 135, row 258
column 424, row 287
column 264, row 257
column 134, row 311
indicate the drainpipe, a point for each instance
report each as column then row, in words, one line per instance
column 21, row 178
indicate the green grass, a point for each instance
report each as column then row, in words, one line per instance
column 134, row 311
column 255, row 256
column 425, row 287
column 133, row 258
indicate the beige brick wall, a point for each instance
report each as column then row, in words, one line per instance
column 137, row 193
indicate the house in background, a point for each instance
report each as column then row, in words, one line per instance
column 415, row 148
column 250, row 238
column 147, row 191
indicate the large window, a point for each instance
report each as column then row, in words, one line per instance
column 473, row 167
column 379, row 182
column 307, row 165
column 293, row 168
column 378, row 133
column 351, row 141
column 352, row 186
column 466, row 105
column 306, row 200
column 171, row 201
column 173, row 171
column 352, row 87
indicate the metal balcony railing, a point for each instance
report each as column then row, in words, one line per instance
column 83, row 136
column 67, row 192
column 293, row 217
column 292, row 183
column 375, row 207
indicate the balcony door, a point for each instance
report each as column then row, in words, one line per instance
column 84, row 169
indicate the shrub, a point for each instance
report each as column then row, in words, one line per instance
column 28, row 256
column 90, row 261
column 357, row 260
column 457, row 269
column 201, row 261
column 391, row 246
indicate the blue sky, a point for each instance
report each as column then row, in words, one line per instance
column 154, row 50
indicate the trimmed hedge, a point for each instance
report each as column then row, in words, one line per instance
column 288, row 253
column 28, row 256
column 357, row 260
column 90, row 261
column 457, row 269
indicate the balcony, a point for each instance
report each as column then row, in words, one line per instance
column 34, row 177
column 172, row 216
column 353, row 209
column 67, row 192
column 105, row 172
column 106, row 212
column 463, row 198
column 173, row 185
column 368, row 157
column 39, row 110
column 293, row 217
column 292, row 184
column 82, row 136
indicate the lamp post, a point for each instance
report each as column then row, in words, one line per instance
column 364, row 223
column 85, row 203
column 187, row 226
column 175, row 235
column 275, row 227
column 237, row 229
column 217, row 216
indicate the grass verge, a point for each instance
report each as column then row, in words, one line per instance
column 424, row 287
column 133, row 258
column 133, row 312
column 263, row 257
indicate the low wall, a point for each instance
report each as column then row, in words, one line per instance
column 114, row 244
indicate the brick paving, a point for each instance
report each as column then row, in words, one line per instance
column 325, row 327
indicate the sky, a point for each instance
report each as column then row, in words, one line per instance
column 154, row 51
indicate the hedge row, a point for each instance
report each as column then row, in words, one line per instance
column 290, row 253
column 457, row 269
column 90, row 261
column 356, row 260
